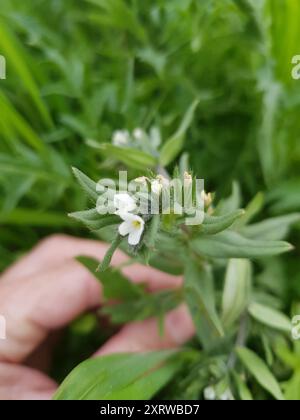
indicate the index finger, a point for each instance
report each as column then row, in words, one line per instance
column 57, row 249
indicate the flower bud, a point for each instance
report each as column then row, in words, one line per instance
column 138, row 133
column 210, row 394
column 207, row 198
column 120, row 138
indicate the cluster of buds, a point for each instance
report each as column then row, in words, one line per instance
column 211, row 394
column 138, row 139
column 157, row 184
column 122, row 138
column 207, row 199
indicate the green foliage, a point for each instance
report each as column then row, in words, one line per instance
column 231, row 244
column 120, row 376
column 237, row 290
column 270, row 317
column 174, row 145
column 133, row 301
column 210, row 79
column 199, row 296
column 260, row 371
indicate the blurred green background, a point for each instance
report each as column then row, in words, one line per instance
column 78, row 70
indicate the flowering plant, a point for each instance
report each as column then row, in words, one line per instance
column 213, row 245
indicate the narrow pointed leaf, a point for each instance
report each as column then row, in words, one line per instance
column 89, row 186
column 260, row 371
column 236, row 290
column 120, row 376
column 213, row 225
column 135, row 159
column 93, row 220
column 231, row 244
column 270, row 317
column 199, row 294
column 273, row 229
column 174, row 144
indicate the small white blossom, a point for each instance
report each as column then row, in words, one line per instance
column 188, row 179
column 210, row 394
column 207, row 198
column 133, row 226
column 138, row 134
column 159, row 183
column 141, row 180
column 120, row 138
column 124, row 203
column 156, row 187
column 164, row 181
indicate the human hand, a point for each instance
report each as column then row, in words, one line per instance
column 46, row 290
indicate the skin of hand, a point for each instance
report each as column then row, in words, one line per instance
column 46, row 290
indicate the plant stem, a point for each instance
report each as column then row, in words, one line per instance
column 240, row 340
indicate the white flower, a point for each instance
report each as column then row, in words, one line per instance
column 188, row 179
column 138, row 133
column 210, row 394
column 133, row 226
column 207, row 198
column 141, row 180
column 156, row 187
column 159, row 183
column 124, row 203
column 120, row 138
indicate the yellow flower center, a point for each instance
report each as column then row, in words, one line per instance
column 136, row 224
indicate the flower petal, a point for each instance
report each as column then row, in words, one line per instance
column 135, row 236
column 124, row 229
column 128, row 217
column 123, row 202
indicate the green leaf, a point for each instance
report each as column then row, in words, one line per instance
column 167, row 263
column 270, row 317
column 16, row 57
column 236, row 290
column 115, row 285
column 174, row 144
column 144, row 307
column 137, row 304
column 260, row 371
column 243, row 390
column 88, row 186
column 292, row 388
column 213, row 225
column 273, row 229
column 117, row 14
column 120, row 376
column 231, row 244
column 14, row 119
column 93, row 220
column 134, row 158
column 151, row 236
column 29, row 217
column 199, row 295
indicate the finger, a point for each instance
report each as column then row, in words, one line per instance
column 59, row 248
column 44, row 303
column 145, row 336
column 22, row 383
column 53, row 251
